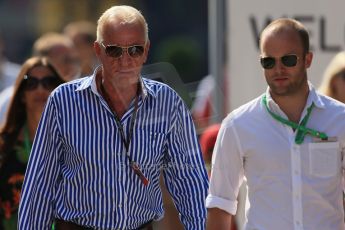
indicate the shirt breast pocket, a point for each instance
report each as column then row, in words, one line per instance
column 324, row 159
column 151, row 145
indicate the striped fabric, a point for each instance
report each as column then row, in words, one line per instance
column 78, row 170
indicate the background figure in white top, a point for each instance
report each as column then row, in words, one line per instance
column 5, row 97
column 8, row 74
column 289, row 144
column 8, row 70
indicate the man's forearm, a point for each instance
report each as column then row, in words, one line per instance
column 218, row 219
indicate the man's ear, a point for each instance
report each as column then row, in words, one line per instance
column 147, row 48
column 97, row 48
column 308, row 59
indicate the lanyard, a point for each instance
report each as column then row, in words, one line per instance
column 127, row 141
column 122, row 133
column 301, row 128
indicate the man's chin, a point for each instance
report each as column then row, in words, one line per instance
column 279, row 91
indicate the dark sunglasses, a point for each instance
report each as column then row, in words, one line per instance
column 289, row 60
column 117, row 51
column 48, row 82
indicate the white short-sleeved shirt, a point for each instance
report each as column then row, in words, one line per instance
column 290, row 186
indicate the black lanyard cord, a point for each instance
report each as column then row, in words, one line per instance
column 127, row 141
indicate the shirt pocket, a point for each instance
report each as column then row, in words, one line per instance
column 150, row 146
column 324, row 159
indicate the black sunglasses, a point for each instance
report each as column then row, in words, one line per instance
column 48, row 82
column 117, row 51
column 289, row 60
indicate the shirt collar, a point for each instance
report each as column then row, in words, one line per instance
column 91, row 82
column 315, row 97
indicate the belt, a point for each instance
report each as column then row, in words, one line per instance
column 66, row 225
column 146, row 226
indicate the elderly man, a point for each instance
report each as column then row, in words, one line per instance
column 103, row 139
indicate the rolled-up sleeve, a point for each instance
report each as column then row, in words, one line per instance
column 227, row 170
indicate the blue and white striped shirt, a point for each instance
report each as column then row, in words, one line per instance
column 78, row 170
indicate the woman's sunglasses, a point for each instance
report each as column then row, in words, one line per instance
column 117, row 51
column 48, row 82
column 289, row 60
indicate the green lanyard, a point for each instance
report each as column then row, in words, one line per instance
column 301, row 129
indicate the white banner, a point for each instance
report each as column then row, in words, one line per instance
column 325, row 21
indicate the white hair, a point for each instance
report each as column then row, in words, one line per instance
column 126, row 14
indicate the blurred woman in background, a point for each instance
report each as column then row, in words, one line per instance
column 36, row 80
column 333, row 82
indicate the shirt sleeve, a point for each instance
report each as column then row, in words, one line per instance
column 36, row 210
column 185, row 174
column 227, row 170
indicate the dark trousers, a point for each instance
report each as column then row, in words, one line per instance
column 65, row 225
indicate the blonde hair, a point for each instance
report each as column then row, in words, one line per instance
column 336, row 66
column 44, row 44
column 86, row 29
column 126, row 14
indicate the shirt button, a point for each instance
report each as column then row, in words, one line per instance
column 120, row 206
